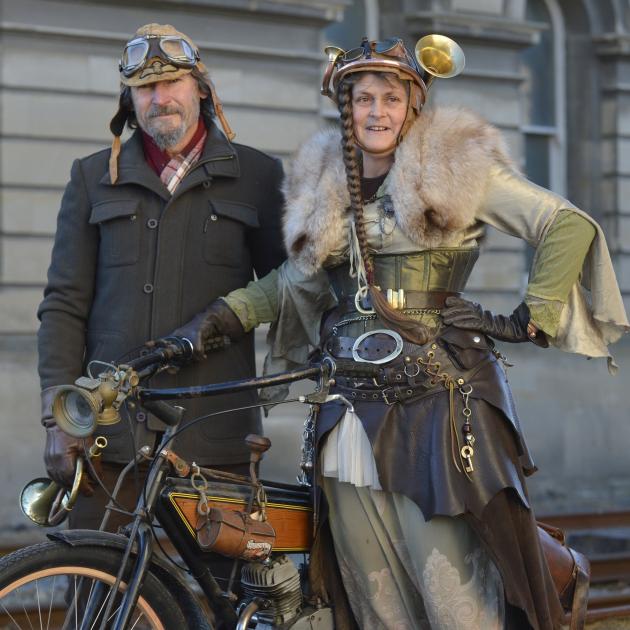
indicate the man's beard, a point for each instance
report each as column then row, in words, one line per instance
column 169, row 137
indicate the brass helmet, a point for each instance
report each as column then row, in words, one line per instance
column 435, row 56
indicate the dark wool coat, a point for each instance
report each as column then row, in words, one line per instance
column 131, row 263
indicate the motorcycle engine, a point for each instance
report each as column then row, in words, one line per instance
column 277, row 582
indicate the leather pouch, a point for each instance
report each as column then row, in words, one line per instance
column 235, row 535
column 466, row 348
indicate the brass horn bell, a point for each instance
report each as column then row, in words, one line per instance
column 47, row 503
column 439, row 56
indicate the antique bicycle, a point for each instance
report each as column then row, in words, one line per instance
column 96, row 579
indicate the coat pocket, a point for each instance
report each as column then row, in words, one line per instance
column 466, row 348
column 119, row 231
column 224, row 232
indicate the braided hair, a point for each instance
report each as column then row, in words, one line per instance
column 410, row 329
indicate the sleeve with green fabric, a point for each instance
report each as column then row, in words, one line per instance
column 558, row 265
column 257, row 303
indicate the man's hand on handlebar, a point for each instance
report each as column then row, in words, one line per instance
column 209, row 330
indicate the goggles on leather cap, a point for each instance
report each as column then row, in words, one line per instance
column 172, row 48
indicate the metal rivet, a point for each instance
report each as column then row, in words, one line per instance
column 407, row 359
column 434, row 346
column 476, row 339
column 409, row 392
column 148, row 288
column 460, row 381
column 398, row 377
column 141, row 416
column 206, row 184
column 133, row 217
column 152, row 223
column 213, row 217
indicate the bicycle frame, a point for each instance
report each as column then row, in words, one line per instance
column 141, row 542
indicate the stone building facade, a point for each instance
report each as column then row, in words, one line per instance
column 554, row 75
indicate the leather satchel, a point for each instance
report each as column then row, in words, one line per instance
column 235, row 534
column 570, row 571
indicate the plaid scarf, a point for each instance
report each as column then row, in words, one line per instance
column 177, row 167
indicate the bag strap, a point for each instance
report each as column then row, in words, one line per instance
column 580, row 594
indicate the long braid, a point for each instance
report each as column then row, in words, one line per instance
column 353, row 173
column 411, row 330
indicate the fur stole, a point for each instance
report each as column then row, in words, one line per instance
column 437, row 183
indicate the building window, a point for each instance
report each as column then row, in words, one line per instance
column 543, row 88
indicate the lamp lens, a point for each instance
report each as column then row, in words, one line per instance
column 78, row 410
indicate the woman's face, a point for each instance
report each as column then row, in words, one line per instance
column 379, row 108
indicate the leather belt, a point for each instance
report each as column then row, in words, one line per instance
column 376, row 346
column 404, row 299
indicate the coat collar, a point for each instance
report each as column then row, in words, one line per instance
column 219, row 159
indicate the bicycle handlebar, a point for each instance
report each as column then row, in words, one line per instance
column 179, row 393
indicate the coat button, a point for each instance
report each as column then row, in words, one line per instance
column 148, row 288
column 152, row 224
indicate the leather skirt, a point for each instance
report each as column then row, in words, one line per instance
column 417, row 410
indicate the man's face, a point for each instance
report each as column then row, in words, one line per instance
column 168, row 111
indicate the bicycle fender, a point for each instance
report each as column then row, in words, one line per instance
column 187, row 600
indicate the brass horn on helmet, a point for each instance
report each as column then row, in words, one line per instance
column 333, row 53
column 46, row 502
column 439, row 56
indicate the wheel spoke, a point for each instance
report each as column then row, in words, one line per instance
column 39, row 606
column 52, row 599
column 17, row 625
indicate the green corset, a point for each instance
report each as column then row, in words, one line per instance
column 443, row 269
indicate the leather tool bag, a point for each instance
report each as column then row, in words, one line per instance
column 570, row 571
column 235, row 535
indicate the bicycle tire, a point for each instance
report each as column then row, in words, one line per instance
column 26, row 574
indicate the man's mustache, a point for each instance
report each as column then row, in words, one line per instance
column 163, row 110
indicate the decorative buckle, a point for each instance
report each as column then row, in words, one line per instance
column 392, row 355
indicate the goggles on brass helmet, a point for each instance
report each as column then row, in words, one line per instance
column 171, row 48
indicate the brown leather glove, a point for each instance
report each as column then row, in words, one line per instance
column 218, row 320
column 511, row 328
column 61, row 450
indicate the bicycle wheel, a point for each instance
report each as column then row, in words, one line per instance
column 52, row 585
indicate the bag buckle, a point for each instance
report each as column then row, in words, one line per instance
column 383, row 331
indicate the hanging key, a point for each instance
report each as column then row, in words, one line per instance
column 467, row 454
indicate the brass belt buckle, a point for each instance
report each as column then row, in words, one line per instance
column 385, row 331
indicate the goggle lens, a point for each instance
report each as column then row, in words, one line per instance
column 386, row 45
column 354, row 54
column 134, row 54
column 177, row 49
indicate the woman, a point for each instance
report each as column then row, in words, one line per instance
column 423, row 468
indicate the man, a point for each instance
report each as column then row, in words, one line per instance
column 148, row 233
